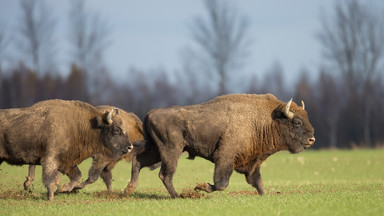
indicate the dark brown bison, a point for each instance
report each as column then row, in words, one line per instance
column 59, row 135
column 235, row 132
column 102, row 165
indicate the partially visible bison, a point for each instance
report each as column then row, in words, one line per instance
column 102, row 165
column 235, row 132
column 59, row 135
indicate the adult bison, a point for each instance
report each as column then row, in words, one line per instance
column 102, row 164
column 59, row 135
column 235, row 132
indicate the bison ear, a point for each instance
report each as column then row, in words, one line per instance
column 99, row 122
column 277, row 114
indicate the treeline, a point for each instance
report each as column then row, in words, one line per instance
column 345, row 102
column 337, row 115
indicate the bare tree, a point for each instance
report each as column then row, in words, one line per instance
column 329, row 100
column 221, row 41
column 4, row 42
column 354, row 43
column 88, row 37
column 274, row 81
column 37, row 28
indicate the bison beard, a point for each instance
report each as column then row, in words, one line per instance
column 235, row 132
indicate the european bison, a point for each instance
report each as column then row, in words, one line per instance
column 102, row 165
column 235, row 132
column 58, row 135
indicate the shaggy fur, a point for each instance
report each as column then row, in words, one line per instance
column 102, row 165
column 235, row 132
column 58, row 135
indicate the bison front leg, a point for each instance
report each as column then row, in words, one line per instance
column 254, row 178
column 107, row 178
column 145, row 159
column 75, row 178
column 106, row 175
column 223, row 172
column 98, row 164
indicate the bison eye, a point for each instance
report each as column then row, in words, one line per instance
column 116, row 131
column 297, row 122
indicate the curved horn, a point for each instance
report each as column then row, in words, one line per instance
column 303, row 105
column 109, row 117
column 288, row 113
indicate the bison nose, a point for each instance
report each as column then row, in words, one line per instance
column 311, row 140
column 130, row 147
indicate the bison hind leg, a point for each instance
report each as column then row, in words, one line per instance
column 50, row 171
column 166, row 175
column 30, row 177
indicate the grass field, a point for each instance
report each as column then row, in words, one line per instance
column 327, row 182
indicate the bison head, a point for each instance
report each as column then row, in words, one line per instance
column 297, row 132
column 112, row 134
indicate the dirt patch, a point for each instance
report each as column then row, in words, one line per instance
column 109, row 195
column 189, row 193
column 19, row 195
column 236, row 193
column 251, row 193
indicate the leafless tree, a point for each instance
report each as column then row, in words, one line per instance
column 353, row 42
column 329, row 99
column 4, row 42
column 274, row 81
column 88, row 37
column 37, row 29
column 221, row 42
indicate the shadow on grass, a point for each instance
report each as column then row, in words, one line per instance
column 140, row 195
column 186, row 194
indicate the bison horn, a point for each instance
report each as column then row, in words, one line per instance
column 109, row 117
column 288, row 113
column 303, row 105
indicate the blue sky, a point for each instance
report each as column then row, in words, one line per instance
column 151, row 34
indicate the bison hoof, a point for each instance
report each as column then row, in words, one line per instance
column 27, row 183
column 128, row 190
column 204, row 187
column 64, row 188
column 59, row 189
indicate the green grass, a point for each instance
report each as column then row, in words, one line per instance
column 327, row 182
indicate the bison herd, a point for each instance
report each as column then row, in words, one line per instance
column 235, row 132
